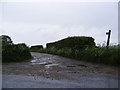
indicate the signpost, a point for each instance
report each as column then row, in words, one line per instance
column 108, row 40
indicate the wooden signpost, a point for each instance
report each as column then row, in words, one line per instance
column 108, row 40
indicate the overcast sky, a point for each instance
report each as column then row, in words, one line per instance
column 42, row 22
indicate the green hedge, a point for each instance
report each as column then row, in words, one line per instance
column 73, row 42
column 14, row 52
column 36, row 47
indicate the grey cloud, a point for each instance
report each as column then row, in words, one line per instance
column 39, row 23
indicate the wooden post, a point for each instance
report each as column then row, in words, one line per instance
column 108, row 40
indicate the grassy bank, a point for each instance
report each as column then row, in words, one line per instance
column 93, row 54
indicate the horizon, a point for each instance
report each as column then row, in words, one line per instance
column 99, row 44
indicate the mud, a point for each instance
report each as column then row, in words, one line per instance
column 48, row 71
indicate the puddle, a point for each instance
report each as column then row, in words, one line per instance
column 51, row 65
column 42, row 63
column 33, row 61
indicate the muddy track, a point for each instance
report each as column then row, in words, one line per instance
column 59, row 69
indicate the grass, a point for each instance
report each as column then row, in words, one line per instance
column 93, row 54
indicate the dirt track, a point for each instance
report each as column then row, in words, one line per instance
column 50, row 71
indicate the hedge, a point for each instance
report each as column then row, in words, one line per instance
column 36, row 47
column 73, row 42
column 14, row 52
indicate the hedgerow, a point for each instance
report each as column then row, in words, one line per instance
column 14, row 52
column 73, row 42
